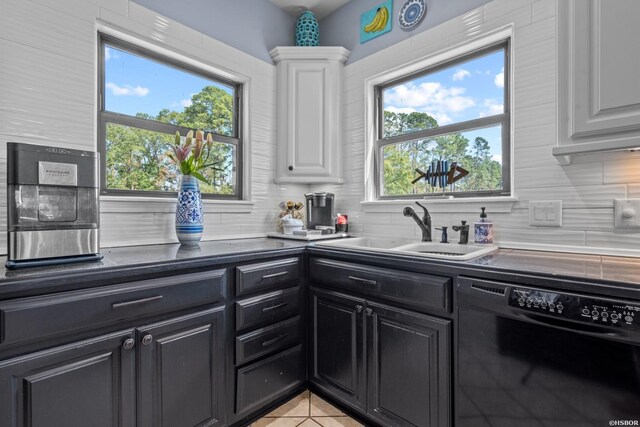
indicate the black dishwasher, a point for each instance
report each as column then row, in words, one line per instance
column 541, row 358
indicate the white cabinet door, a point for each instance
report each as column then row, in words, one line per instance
column 309, row 114
column 599, row 65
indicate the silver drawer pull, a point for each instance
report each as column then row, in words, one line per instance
column 274, row 307
column 136, row 302
column 364, row 281
column 275, row 340
column 271, row 276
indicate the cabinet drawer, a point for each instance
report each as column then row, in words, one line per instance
column 264, row 381
column 267, row 340
column 29, row 319
column 422, row 291
column 267, row 308
column 267, row 275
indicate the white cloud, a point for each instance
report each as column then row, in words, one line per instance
column 107, row 54
column 127, row 90
column 186, row 103
column 499, row 80
column 460, row 74
column 491, row 108
column 497, row 158
column 432, row 98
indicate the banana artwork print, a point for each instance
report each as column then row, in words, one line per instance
column 379, row 21
column 376, row 21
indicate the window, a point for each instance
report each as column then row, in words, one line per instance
column 144, row 99
column 456, row 111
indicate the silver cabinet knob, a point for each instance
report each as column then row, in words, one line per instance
column 146, row 340
column 369, row 312
column 128, row 344
column 359, row 308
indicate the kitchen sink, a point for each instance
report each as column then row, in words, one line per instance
column 450, row 251
column 445, row 250
column 372, row 243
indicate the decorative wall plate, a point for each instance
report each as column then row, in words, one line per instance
column 411, row 14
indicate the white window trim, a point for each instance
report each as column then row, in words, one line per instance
column 160, row 204
column 495, row 204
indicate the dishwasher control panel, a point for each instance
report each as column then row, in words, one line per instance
column 601, row 311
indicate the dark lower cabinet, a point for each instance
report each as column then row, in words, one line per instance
column 181, row 377
column 89, row 383
column 408, row 375
column 338, row 345
column 391, row 363
column 178, row 364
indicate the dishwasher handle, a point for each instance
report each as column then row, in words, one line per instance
column 585, row 329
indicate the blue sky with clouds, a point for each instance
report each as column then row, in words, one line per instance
column 466, row 91
column 134, row 84
column 462, row 92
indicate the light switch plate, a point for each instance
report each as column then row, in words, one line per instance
column 545, row 213
column 626, row 213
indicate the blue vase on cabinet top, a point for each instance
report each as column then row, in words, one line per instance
column 307, row 30
column 189, row 218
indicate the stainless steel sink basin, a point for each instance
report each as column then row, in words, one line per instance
column 445, row 250
column 390, row 245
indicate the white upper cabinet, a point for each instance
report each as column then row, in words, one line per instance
column 599, row 67
column 309, row 105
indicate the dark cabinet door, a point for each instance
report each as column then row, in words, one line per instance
column 408, row 360
column 181, row 371
column 338, row 345
column 89, row 383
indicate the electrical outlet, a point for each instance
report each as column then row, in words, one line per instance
column 545, row 213
column 626, row 213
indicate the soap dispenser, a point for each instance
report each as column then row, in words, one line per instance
column 483, row 229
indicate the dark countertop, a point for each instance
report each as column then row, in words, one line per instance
column 130, row 261
column 127, row 262
column 624, row 270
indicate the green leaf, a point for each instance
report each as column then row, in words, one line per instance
column 200, row 177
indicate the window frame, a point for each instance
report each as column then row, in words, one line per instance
column 503, row 119
column 104, row 116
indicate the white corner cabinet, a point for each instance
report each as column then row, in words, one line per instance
column 309, row 114
column 598, row 64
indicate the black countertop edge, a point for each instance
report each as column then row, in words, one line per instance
column 535, row 268
column 485, row 268
column 40, row 280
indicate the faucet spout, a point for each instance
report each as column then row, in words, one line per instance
column 424, row 223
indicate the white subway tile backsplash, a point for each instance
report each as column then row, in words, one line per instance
column 618, row 239
column 543, row 9
column 622, row 171
column 574, row 196
column 164, row 25
column 556, row 175
column 34, row 25
column 551, row 236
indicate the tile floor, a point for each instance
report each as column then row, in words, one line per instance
column 306, row 410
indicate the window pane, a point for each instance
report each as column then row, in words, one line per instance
column 136, row 160
column 464, row 91
column 138, row 86
column 479, row 151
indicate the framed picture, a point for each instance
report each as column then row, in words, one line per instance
column 376, row 21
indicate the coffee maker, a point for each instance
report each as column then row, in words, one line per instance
column 319, row 210
column 52, row 205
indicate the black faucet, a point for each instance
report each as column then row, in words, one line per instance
column 424, row 223
column 464, row 232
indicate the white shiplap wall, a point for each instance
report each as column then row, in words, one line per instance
column 587, row 188
column 48, row 52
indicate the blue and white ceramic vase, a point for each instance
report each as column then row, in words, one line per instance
column 307, row 30
column 189, row 217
